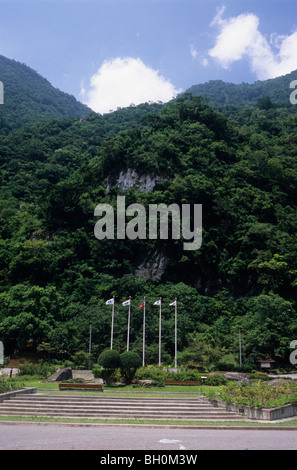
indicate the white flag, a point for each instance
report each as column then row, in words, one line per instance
column 109, row 302
column 158, row 302
column 173, row 304
column 127, row 302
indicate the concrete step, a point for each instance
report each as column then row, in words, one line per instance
column 157, row 416
column 108, row 408
column 94, row 410
column 79, row 406
column 104, row 402
column 102, row 397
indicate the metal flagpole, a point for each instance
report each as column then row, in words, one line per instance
column 128, row 331
column 143, row 339
column 90, row 343
column 175, row 362
column 160, row 322
column 239, row 347
column 112, row 322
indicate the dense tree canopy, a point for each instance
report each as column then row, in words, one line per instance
column 55, row 276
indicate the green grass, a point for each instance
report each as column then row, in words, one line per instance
column 153, row 422
column 124, row 390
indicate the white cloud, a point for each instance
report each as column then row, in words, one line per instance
column 204, row 62
column 193, row 51
column 197, row 56
column 240, row 37
column 122, row 81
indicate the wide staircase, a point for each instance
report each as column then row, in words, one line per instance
column 104, row 407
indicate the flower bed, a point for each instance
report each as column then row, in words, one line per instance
column 260, row 395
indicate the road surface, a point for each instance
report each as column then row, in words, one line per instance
column 63, row 437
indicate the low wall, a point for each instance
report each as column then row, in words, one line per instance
column 250, row 412
column 8, row 395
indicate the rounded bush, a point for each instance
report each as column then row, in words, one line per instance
column 109, row 359
column 130, row 360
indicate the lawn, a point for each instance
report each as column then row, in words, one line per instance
column 127, row 390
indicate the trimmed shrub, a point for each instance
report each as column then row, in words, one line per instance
column 130, row 362
column 109, row 359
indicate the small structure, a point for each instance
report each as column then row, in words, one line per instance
column 265, row 364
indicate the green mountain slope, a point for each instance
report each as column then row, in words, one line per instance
column 219, row 92
column 28, row 98
column 55, row 275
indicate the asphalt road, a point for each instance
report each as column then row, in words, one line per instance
column 111, row 438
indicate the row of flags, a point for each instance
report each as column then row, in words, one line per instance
column 128, row 302
column 143, row 304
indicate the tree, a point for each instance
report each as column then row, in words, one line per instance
column 28, row 313
column 130, row 362
column 267, row 328
column 110, row 361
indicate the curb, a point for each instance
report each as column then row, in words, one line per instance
column 154, row 426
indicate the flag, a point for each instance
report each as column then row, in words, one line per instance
column 158, row 302
column 109, row 302
column 141, row 305
column 127, row 302
column 173, row 304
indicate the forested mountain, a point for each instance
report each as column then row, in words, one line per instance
column 28, row 98
column 219, row 92
column 55, row 275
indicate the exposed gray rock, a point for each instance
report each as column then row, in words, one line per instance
column 153, row 267
column 146, row 383
column 60, row 375
column 237, row 376
column 277, row 382
column 131, row 179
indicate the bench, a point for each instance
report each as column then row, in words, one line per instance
column 79, row 386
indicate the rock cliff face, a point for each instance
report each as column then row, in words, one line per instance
column 131, row 179
column 153, row 267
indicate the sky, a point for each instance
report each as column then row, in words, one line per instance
column 112, row 53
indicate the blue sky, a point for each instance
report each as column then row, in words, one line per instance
column 110, row 53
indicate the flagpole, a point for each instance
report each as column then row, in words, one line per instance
column 112, row 322
column 160, row 321
column 90, row 344
column 175, row 363
column 128, row 332
column 143, row 339
column 239, row 347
